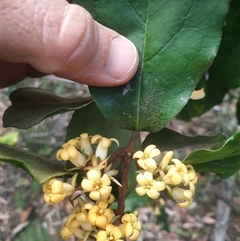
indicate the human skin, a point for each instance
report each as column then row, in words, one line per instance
column 54, row 37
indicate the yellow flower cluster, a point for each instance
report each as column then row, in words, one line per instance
column 90, row 188
column 171, row 175
column 90, row 192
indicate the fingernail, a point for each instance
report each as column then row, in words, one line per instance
column 123, row 58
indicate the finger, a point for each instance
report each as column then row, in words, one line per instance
column 62, row 39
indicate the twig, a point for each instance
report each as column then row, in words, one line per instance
column 125, row 162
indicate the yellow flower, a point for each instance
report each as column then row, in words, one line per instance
column 108, row 199
column 146, row 160
column 85, row 144
column 81, row 216
column 182, row 196
column 166, row 159
column 192, row 174
column 100, row 215
column 77, row 222
column 176, row 174
column 55, row 191
column 148, row 185
column 99, row 187
column 131, row 226
column 70, row 153
column 67, row 232
column 103, row 145
column 112, row 233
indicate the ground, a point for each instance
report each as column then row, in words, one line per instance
column 25, row 216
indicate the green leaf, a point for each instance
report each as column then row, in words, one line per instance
column 224, row 74
column 167, row 139
column 133, row 201
column 33, row 231
column 176, row 40
column 40, row 168
column 31, row 105
column 224, row 161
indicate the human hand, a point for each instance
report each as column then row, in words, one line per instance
column 55, row 37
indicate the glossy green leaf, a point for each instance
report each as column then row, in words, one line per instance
column 31, row 105
column 40, row 168
column 168, row 139
column 224, row 161
column 224, row 74
column 176, row 40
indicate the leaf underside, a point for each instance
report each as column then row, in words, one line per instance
column 168, row 139
column 31, row 105
column 40, row 168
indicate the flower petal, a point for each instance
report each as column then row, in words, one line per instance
column 140, row 179
column 151, row 163
column 155, row 152
column 105, row 180
column 148, row 149
column 137, row 154
column 148, row 176
column 102, row 236
column 56, row 198
column 159, row 186
column 87, row 185
column 142, row 164
column 117, row 233
column 57, row 186
column 94, row 195
column 93, row 175
column 166, row 159
column 106, row 190
column 101, row 221
column 95, row 138
column 140, row 191
column 153, row 193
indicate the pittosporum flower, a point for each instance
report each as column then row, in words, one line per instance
column 77, row 222
column 182, row 196
column 148, row 185
column 100, row 215
column 108, row 199
column 98, row 186
column 67, row 231
column 55, row 190
column 103, row 145
column 130, row 226
column 176, row 173
column 165, row 161
column 85, row 144
column 145, row 158
column 112, row 233
column 192, row 174
column 81, row 215
column 70, row 153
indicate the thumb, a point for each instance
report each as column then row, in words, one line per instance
column 63, row 39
